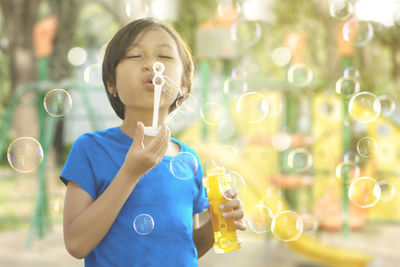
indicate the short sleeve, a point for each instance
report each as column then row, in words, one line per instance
column 200, row 202
column 78, row 167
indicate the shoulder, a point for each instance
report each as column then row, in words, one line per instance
column 90, row 138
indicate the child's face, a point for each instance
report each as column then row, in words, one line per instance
column 135, row 72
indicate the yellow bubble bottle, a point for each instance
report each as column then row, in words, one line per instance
column 226, row 236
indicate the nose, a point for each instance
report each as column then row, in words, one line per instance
column 148, row 64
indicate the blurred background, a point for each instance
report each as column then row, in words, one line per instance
column 297, row 100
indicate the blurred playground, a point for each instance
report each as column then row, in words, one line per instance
column 297, row 100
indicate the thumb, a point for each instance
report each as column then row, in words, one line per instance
column 139, row 135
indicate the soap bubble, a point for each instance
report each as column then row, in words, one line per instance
column 211, row 113
column 358, row 32
column 367, row 147
column 187, row 104
column 226, row 129
column 232, row 185
column 259, row 219
column 184, row 165
column 281, row 56
column 300, row 159
column 235, row 86
column 388, row 105
column 364, row 192
column 25, row 154
column 57, row 102
column 351, row 72
column 287, row 226
column 300, row 75
column 92, row 74
column 252, row 107
column 388, row 190
column 224, row 156
column 347, row 169
column 351, row 156
column 364, row 107
column 340, row 9
column 347, row 86
column 143, row 224
column 246, row 32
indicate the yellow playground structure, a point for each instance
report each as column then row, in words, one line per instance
column 318, row 191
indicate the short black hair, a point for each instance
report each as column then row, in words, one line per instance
column 121, row 41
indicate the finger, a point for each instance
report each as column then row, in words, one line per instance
column 139, row 135
column 240, row 225
column 232, row 204
column 236, row 214
column 162, row 147
column 154, row 144
column 231, row 193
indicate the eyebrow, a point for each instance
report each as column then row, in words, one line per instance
column 158, row 46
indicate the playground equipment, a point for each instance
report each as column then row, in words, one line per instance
column 40, row 219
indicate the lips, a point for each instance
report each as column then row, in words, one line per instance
column 148, row 82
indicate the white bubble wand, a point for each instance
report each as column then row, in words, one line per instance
column 158, row 82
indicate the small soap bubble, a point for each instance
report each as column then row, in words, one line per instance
column 388, row 105
column 388, row 190
column 252, row 107
column 77, row 56
column 235, row 86
column 347, row 86
column 187, row 104
column 287, row 226
column 300, row 75
column 310, row 223
column 92, row 74
column 224, row 156
column 347, row 170
column 357, row 32
column 351, row 72
column 211, row 113
column 364, row 107
column 57, row 102
column 340, row 9
column 300, row 159
column 184, row 166
column 367, row 147
column 226, row 129
column 364, row 192
column 246, row 32
column 143, row 224
column 351, row 156
column 25, row 154
column 232, row 186
column 259, row 219
column 281, row 56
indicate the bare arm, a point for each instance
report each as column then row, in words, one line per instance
column 86, row 222
column 203, row 236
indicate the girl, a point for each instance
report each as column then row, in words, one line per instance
column 119, row 181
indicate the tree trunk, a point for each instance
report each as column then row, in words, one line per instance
column 67, row 13
column 19, row 18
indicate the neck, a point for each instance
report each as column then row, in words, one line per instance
column 133, row 115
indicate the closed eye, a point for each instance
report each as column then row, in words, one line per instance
column 167, row 57
column 136, row 56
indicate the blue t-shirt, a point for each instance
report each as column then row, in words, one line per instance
column 159, row 197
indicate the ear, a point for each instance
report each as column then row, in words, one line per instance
column 110, row 87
